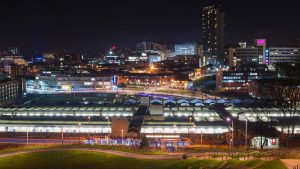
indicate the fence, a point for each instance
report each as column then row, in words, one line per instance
column 268, row 155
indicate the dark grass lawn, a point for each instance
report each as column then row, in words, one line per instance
column 93, row 160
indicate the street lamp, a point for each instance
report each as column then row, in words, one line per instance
column 27, row 135
column 174, row 128
column 201, row 141
column 232, row 131
column 246, row 134
column 79, row 125
column 89, row 127
column 122, row 131
column 62, row 135
column 108, row 140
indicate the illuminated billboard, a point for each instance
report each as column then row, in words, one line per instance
column 261, row 42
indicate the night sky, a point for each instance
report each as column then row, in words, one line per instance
column 86, row 25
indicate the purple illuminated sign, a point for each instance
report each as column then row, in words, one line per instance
column 261, row 42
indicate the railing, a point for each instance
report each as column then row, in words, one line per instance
column 296, row 166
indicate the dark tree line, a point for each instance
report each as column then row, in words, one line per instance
column 285, row 97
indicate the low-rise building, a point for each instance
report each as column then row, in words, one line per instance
column 284, row 55
column 57, row 81
column 240, row 79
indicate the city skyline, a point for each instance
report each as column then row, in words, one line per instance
column 93, row 26
column 176, row 84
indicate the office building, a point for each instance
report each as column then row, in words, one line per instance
column 147, row 45
column 231, row 52
column 11, row 91
column 64, row 82
column 13, row 70
column 283, row 55
column 14, row 51
column 112, row 58
column 149, row 56
column 213, row 33
column 19, row 60
column 249, row 56
column 243, row 44
column 252, row 55
column 238, row 80
column 186, row 49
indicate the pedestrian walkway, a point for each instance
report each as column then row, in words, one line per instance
column 291, row 163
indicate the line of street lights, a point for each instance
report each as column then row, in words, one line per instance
column 228, row 119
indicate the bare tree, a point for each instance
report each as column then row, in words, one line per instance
column 286, row 97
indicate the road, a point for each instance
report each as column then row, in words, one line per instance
column 136, row 91
column 38, row 141
column 113, row 152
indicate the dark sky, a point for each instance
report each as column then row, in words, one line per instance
column 86, row 25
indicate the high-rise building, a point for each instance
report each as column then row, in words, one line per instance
column 213, row 34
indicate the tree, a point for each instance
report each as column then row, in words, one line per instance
column 283, row 95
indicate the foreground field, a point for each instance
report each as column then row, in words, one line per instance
column 93, row 160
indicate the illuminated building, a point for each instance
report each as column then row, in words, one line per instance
column 149, row 52
column 11, row 92
column 239, row 80
column 213, row 34
column 251, row 55
column 147, row 45
column 18, row 60
column 161, row 122
column 283, row 55
column 149, row 56
column 62, row 82
column 146, row 79
column 186, row 49
column 113, row 58
column 14, row 50
column 232, row 56
column 243, row 44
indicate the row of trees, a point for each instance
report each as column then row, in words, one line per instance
column 285, row 97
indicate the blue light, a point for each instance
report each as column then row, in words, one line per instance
column 114, row 80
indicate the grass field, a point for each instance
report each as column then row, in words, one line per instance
column 92, row 160
column 14, row 148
